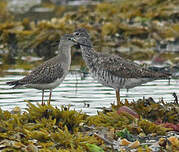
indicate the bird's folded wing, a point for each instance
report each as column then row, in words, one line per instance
column 127, row 69
column 43, row 74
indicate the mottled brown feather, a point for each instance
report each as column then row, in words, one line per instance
column 47, row 72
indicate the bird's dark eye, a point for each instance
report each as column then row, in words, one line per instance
column 70, row 39
column 77, row 34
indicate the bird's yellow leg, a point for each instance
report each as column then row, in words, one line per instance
column 118, row 97
column 50, row 97
column 42, row 97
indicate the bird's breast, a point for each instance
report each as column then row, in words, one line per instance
column 106, row 78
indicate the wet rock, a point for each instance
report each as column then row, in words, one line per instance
column 135, row 144
column 128, row 110
column 59, row 1
column 155, row 147
column 124, row 142
column 21, row 6
column 42, row 10
column 71, row 2
column 174, row 141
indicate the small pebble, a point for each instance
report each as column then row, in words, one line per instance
column 174, row 141
column 125, row 142
column 134, row 144
column 125, row 109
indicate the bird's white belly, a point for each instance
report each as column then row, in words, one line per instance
column 133, row 82
column 124, row 82
column 45, row 86
column 117, row 82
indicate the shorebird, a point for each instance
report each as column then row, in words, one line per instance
column 112, row 70
column 51, row 73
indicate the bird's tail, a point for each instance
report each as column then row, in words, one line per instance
column 15, row 84
column 171, row 71
column 175, row 71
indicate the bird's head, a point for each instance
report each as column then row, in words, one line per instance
column 67, row 39
column 82, row 32
column 81, row 37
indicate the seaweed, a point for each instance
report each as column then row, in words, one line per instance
column 141, row 25
column 111, row 119
column 149, row 109
column 4, row 14
column 149, row 127
column 125, row 134
column 64, row 117
column 48, row 128
column 43, row 127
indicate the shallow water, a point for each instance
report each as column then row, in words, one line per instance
column 78, row 91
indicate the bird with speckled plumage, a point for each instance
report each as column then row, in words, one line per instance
column 112, row 70
column 51, row 73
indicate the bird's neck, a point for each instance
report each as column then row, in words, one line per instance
column 88, row 55
column 64, row 49
column 65, row 53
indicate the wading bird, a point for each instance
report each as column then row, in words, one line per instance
column 112, row 70
column 51, row 73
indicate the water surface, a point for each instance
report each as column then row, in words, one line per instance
column 78, row 91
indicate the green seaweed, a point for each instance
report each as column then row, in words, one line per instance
column 94, row 148
column 125, row 134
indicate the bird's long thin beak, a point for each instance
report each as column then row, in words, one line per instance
column 74, row 40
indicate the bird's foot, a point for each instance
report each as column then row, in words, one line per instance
column 48, row 103
column 119, row 103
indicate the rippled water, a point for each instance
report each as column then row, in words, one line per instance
column 77, row 91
